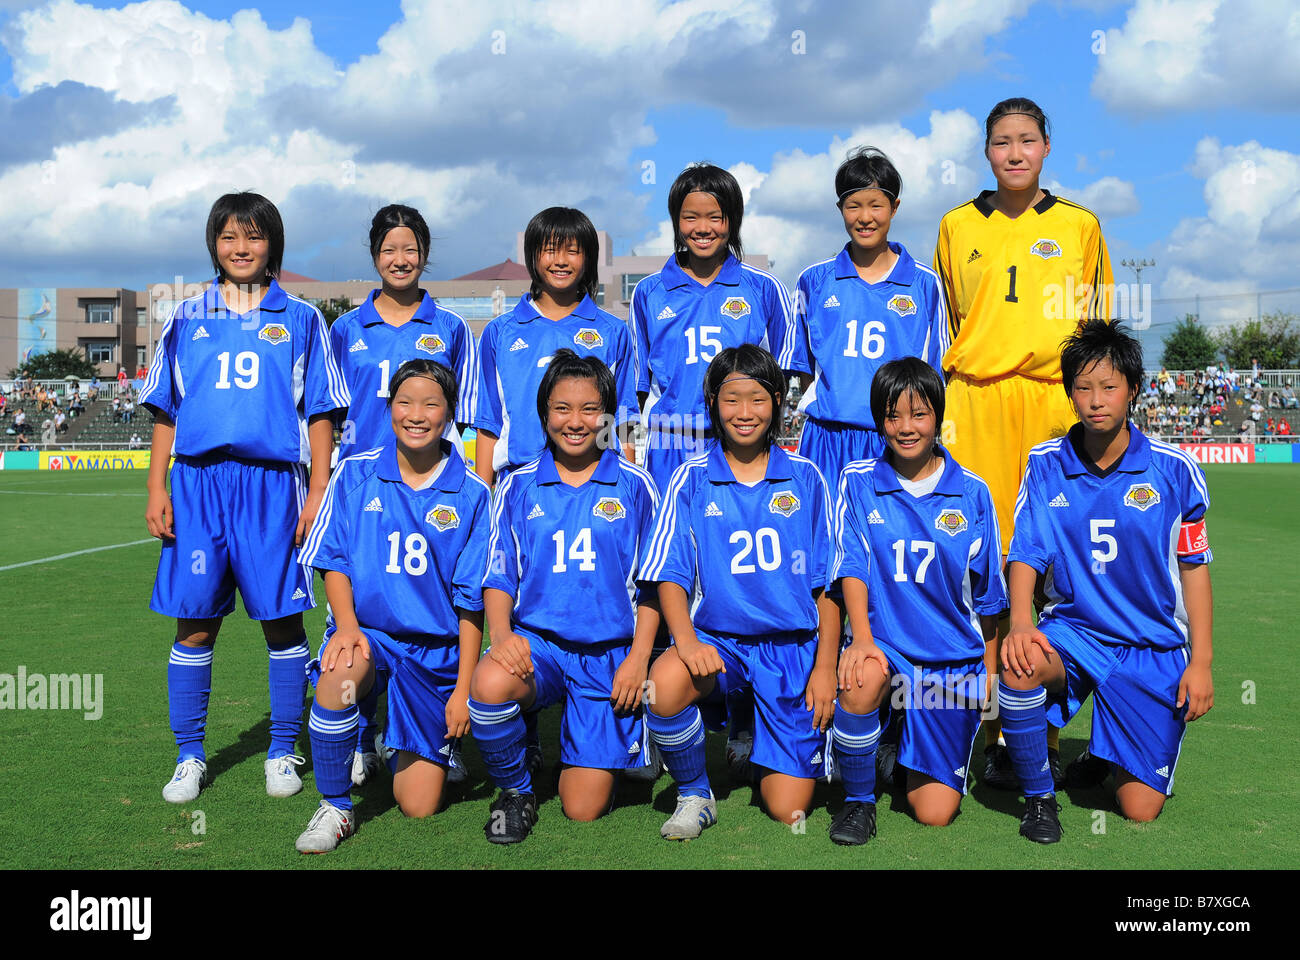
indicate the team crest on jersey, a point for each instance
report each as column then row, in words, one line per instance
column 1046, row 249
column 735, row 307
column 443, row 517
column 784, row 502
column 430, row 343
column 589, row 338
column 609, row 508
column 903, row 305
column 1141, row 495
column 951, row 522
column 273, row 333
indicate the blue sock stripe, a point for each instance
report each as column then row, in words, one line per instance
column 492, row 713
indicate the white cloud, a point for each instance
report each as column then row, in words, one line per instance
column 1108, row 198
column 950, row 18
column 1194, row 54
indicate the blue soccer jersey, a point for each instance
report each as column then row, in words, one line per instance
column 369, row 351
column 570, row 555
column 1110, row 546
column 244, row 386
column 680, row 325
column 932, row 564
column 750, row 556
column 514, row 352
column 851, row 328
column 413, row 556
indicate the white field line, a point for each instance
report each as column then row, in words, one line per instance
column 77, row 553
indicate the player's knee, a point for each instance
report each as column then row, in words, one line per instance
column 197, row 640
column 934, row 814
column 1024, row 681
column 863, row 699
column 285, row 632
column 416, row 804
column 491, row 683
column 790, row 814
column 584, row 809
column 1140, row 809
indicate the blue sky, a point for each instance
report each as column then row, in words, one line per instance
column 1174, row 119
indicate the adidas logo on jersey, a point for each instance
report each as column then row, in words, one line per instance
column 831, row 301
column 666, row 314
column 875, row 517
column 374, row 506
column 199, row 334
column 359, row 345
column 635, row 748
column 1059, row 501
column 1162, row 772
column 518, row 345
column 298, row 594
column 536, row 512
column 974, row 255
column 712, row 510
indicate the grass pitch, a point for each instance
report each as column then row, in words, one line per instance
column 81, row 793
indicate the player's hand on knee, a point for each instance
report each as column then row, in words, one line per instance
column 701, row 659
column 819, row 697
column 345, row 648
column 629, row 682
column 1017, row 649
column 513, row 653
column 860, row 657
column 158, row 516
column 457, row 714
column 1196, row 689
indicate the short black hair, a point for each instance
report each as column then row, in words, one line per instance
column 398, row 215
column 717, row 183
column 1101, row 340
column 866, row 168
column 750, row 361
column 1022, row 105
column 561, row 226
column 566, row 365
column 900, row 376
column 252, row 211
column 431, row 370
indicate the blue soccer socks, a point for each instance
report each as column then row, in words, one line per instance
column 500, row 734
column 855, row 736
column 189, row 684
column 680, row 740
column 333, row 736
column 1024, row 727
column 287, row 679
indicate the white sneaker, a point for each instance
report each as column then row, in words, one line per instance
column 385, row 753
column 690, row 818
column 738, row 750
column 364, row 766
column 328, row 826
column 456, row 772
column 190, row 777
column 282, row 779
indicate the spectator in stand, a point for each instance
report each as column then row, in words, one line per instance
column 121, row 377
column 93, row 391
column 117, row 408
column 1162, row 376
column 25, row 385
column 20, row 418
column 136, row 442
column 76, row 406
column 1256, row 411
column 1254, row 369
column 4, row 405
column 1283, row 428
column 128, row 409
column 1181, row 382
column 1167, row 385
column 1269, row 427
column 1151, row 390
column 1289, row 399
column 60, row 422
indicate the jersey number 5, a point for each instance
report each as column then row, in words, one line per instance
column 1112, row 547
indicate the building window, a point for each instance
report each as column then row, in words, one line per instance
column 141, row 316
column 630, row 280
column 139, row 357
column 600, row 295
column 101, row 351
column 99, row 312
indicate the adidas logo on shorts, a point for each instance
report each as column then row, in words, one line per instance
column 374, row 506
column 959, row 773
column 298, row 594
column 712, row 510
column 199, row 334
column 535, row 512
column 445, row 750
column 665, row 314
column 359, row 345
column 1162, row 772
column 635, row 748
column 875, row 517
column 519, row 344
column 816, row 759
column 831, row 301
column 1047, row 765
column 1059, row 501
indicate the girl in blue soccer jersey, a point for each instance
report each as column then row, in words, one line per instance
column 568, row 624
column 919, row 560
column 745, row 530
column 398, row 322
column 402, row 542
column 244, row 392
column 1115, row 524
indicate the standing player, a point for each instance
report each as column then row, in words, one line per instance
column 1116, row 524
column 398, row 322
column 1021, row 270
column 402, row 541
column 244, row 391
column 920, row 562
column 566, row 620
column 745, row 528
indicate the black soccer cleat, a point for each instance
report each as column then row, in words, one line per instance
column 1085, row 770
column 1040, row 822
column 513, row 816
column 999, row 773
column 855, row 824
column 1054, row 765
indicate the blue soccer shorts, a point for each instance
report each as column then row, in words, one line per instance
column 833, row 446
column 581, row 678
column 1135, row 724
column 234, row 522
column 777, row 669
column 421, row 678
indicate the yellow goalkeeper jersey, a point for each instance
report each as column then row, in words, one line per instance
column 1017, row 288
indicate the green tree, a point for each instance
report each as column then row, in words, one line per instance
column 57, row 364
column 1188, row 346
column 333, row 309
column 1273, row 340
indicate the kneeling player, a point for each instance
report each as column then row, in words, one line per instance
column 1107, row 511
column 402, row 540
column 745, row 527
column 559, row 595
column 919, row 560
